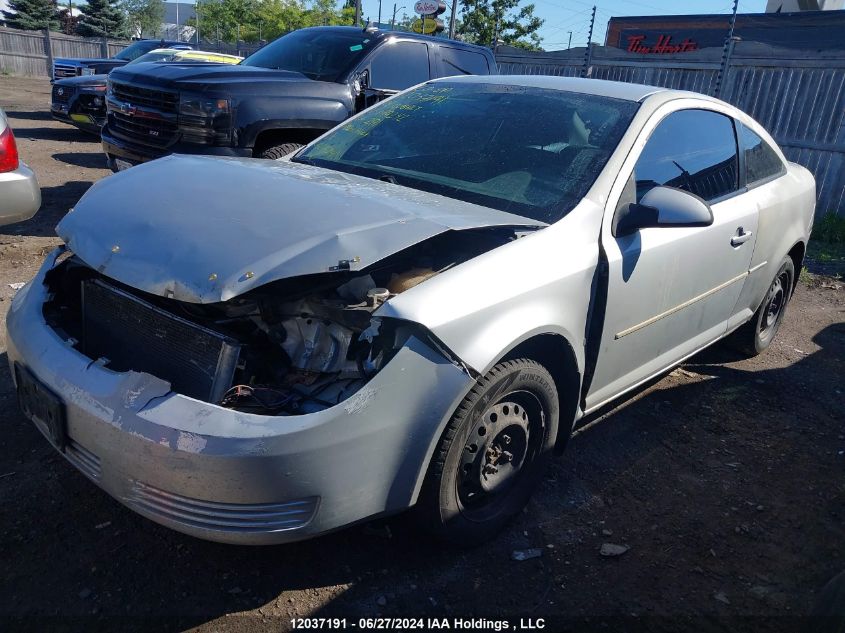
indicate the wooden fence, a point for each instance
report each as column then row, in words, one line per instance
column 31, row 53
column 799, row 96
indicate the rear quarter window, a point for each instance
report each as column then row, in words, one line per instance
column 456, row 61
column 761, row 161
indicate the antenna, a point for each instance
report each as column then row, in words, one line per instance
column 585, row 71
column 726, row 53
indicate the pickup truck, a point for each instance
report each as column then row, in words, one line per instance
column 281, row 97
column 81, row 101
column 64, row 67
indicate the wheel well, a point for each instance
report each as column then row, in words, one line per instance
column 555, row 353
column 797, row 257
column 269, row 138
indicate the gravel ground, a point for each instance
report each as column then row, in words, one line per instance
column 724, row 479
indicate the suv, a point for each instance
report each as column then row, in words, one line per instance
column 75, row 67
column 278, row 99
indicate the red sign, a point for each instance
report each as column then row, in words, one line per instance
column 664, row 46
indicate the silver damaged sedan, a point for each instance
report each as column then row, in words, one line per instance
column 411, row 312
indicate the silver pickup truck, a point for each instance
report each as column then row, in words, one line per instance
column 411, row 312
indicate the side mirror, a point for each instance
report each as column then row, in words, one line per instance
column 361, row 81
column 662, row 206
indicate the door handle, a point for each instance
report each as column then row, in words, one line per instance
column 741, row 237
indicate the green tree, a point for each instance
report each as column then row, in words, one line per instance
column 325, row 13
column 265, row 19
column 32, row 15
column 484, row 21
column 102, row 18
column 144, row 17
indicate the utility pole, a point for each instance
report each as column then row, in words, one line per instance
column 569, row 45
column 452, row 20
column 589, row 53
column 197, row 11
column 357, row 12
column 178, row 39
column 727, row 49
column 379, row 13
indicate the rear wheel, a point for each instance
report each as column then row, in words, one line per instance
column 491, row 455
column 754, row 337
column 275, row 152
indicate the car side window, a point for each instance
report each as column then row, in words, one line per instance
column 399, row 65
column 456, row 61
column 693, row 150
column 761, row 161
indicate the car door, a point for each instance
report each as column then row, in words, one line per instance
column 394, row 66
column 672, row 289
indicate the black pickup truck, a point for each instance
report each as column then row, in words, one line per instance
column 281, row 97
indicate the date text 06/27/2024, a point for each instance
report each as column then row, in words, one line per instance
column 411, row 624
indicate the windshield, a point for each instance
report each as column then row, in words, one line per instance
column 155, row 56
column 530, row 151
column 318, row 54
column 137, row 49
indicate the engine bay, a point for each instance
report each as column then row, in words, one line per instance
column 302, row 344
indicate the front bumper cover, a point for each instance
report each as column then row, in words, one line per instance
column 235, row 477
column 136, row 153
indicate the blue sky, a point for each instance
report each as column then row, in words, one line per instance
column 562, row 16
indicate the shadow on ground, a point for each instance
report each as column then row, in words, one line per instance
column 94, row 160
column 62, row 134
column 30, row 115
column 55, row 203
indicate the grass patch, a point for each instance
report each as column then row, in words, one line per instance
column 826, row 250
column 830, row 229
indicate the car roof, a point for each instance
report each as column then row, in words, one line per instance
column 380, row 34
column 599, row 87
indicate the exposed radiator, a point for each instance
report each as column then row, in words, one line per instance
column 134, row 334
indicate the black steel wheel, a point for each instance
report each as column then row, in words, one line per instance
column 491, row 455
column 755, row 336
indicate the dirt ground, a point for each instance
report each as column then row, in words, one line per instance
column 725, row 479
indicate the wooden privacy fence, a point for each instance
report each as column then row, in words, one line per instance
column 32, row 52
column 799, row 96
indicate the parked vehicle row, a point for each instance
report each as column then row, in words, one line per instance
column 64, row 67
column 81, row 101
column 279, row 98
column 413, row 310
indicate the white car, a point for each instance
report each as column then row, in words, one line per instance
column 20, row 195
column 412, row 311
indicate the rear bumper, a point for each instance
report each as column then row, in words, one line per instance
column 136, row 153
column 20, row 195
column 235, row 477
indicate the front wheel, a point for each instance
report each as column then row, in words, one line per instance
column 754, row 337
column 275, row 152
column 491, row 455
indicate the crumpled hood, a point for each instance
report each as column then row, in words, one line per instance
column 203, row 230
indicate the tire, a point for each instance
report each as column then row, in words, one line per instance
column 275, row 152
column 491, row 455
column 754, row 337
